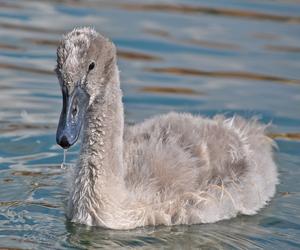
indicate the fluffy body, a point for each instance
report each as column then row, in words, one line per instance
column 188, row 169
column 169, row 170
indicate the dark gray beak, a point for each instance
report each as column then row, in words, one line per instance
column 71, row 117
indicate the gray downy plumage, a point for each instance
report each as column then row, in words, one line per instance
column 171, row 169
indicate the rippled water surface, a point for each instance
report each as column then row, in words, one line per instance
column 203, row 57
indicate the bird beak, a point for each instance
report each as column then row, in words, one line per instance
column 71, row 117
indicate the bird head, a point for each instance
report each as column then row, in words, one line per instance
column 85, row 61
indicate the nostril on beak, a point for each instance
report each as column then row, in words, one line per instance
column 64, row 143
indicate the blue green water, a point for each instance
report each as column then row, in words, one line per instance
column 203, row 57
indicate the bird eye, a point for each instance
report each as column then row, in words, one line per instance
column 74, row 111
column 91, row 66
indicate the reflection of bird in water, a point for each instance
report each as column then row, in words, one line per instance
column 171, row 169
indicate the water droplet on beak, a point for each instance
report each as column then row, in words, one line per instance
column 63, row 165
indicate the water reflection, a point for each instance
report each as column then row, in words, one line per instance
column 170, row 90
column 287, row 136
column 282, row 48
column 189, row 9
column 223, row 74
column 238, row 235
column 25, row 69
column 9, row 47
column 130, row 55
column 22, row 27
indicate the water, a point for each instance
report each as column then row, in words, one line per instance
column 203, row 57
column 64, row 165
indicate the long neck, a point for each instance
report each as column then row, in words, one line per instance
column 102, row 145
column 99, row 179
